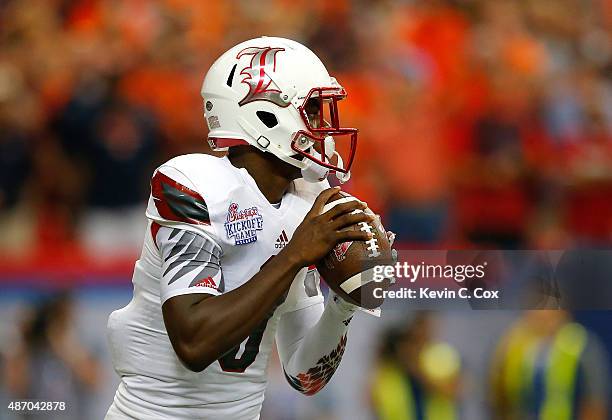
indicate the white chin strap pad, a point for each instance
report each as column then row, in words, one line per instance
column 330, row 146
column 341, row 176
column 330, row 149
column 313, row 172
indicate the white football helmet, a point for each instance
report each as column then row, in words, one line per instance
column 276, row 95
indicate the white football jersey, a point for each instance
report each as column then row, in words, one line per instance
column 203, row 205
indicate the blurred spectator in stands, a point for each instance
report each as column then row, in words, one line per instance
column 15, row 153
column 49, row 363
column 19, row 113
column 333, row 36
column 551, row 368
column 493, row 198
column 410, row 72
column 114, row 143
column 417, row 377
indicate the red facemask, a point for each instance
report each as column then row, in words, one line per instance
column 319, row 111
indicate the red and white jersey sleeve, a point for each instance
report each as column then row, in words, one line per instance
column 191, row 263
column 181, row 226
column 176, row 202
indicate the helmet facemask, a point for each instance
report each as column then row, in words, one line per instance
column 323, row 134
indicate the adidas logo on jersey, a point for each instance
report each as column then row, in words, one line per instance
column 282, row 240
column 207, row 282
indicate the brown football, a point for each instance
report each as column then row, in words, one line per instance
column 349, row 268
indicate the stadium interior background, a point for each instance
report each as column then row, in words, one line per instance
column 482, row 123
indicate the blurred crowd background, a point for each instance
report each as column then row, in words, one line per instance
column 482, row 123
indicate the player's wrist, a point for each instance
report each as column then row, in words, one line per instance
column 340, row 305
column 291, row 259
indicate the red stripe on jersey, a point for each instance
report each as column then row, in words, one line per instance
column 154, row 229
column 177, row 202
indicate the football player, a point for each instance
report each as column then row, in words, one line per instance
column 228, row 260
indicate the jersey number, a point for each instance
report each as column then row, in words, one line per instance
column 229, row 362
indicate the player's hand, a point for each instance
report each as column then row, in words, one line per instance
column 320, row 232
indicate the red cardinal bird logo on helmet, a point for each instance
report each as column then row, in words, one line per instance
column 257, row 75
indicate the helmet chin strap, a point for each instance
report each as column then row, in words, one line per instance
column 313, row 172
column 330, row 151
column 342, row 177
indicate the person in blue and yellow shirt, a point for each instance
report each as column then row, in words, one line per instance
column 548, row 367
column 416, row 377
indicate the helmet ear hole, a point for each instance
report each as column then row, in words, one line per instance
column 267, row 118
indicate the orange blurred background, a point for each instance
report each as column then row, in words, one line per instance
column 484, row 124
column 481, row 122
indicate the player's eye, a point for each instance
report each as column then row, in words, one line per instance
column 312, row 108
column 313, row 112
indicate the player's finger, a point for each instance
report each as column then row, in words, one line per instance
column 340, row 209
column 321, row 200
column 349, row 219
column 352, row 235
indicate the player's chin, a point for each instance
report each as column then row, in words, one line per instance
column 293, row 172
